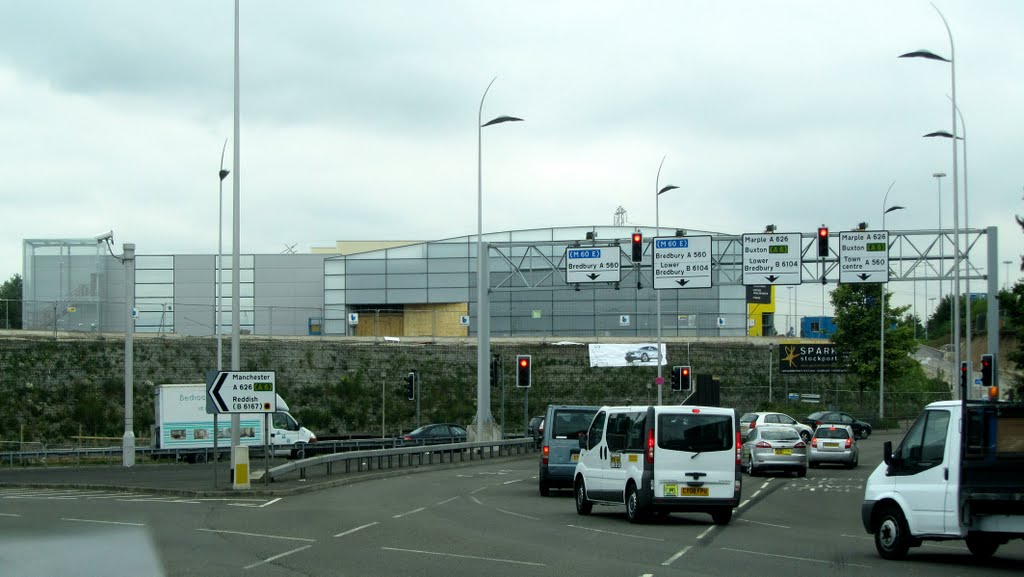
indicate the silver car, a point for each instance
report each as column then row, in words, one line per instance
column 833, row 444
column 774, row 448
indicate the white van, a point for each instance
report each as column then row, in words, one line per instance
column 661, row 458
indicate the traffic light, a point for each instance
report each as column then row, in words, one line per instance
column 410, row 385
column 523, row 370
column 494, row 370
column 681, row 378
column 963, row 375
column 638, row 247
column 822, row 241
column 987, row 361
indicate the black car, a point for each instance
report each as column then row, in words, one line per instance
column 435, row 434
column 861, row 430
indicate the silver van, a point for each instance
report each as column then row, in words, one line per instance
column 560, row 446
column 661, row 458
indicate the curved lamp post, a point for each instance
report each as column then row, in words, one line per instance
column 220, row 253
column 881, row 339
column 483, row 309
column 956, row 225
column 659, row 190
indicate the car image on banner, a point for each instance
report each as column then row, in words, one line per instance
column 626, row 355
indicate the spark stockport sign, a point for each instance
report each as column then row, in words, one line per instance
column 811, row 358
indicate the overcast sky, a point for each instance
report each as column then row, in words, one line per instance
column 358, row 119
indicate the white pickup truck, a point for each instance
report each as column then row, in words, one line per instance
column 951, row 478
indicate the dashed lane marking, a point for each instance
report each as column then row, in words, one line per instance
column 677, row 555
column 763, row 523
column 9, row 515
column 492, row 559
column 102, row 522
column 706, row 531
column 400, row 515
column 276, row 557
column 446, row 501
column 359, row 528
column 518, row 514
column 615, row 533
column 809, row 560
column 286, row 538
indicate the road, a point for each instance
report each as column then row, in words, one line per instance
column 484, row 519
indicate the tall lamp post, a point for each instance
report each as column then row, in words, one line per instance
column 881, row 339
column 220, row 254
column 956, row 224
column 483, row 309
column 658, row 190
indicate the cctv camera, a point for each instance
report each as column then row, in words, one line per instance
column 107, row 236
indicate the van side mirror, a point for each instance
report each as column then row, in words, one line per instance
column 583, row 440
column 888, row 457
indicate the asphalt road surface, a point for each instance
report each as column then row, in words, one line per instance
column 484, row 519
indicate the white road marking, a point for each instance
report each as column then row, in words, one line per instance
column 510, row 482
column 477, row 501
column 706, row 531
column 743, row 503
column 103, row 522
column 765, row 486
column 513, row 561
column 614, row 533
column 446, row 501
column 793, row 558
column 9, row 515
column 270, row 502
column 677, row 555
column 518, row 515
column 359, row 528
column 756, row 493
column 119, row 496
column 276, row 557
column 475, row 491
column 400, row 515
column 763, row 523
column 257, row 535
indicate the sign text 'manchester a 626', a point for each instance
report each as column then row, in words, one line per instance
column 592, row 264
column 771, row 258
column 864, row 256
column 244, row 392
column 682, row 262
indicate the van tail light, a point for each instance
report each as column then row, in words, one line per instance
column 545, row 453
column 739, row 447
column 650, row 446
column 800, row 445
column 814, row 442
column 849, row 442
column 763, row 445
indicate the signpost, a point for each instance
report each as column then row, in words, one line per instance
column 771, row 258
column 864, row 256
column 593, row 264
column 682, row 262
column 242, row 392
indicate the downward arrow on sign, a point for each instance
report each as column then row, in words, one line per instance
column 593, row 276
column 863, row 276
column 772, row 278
column 682, row 281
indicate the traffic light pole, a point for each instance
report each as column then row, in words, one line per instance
column 418, row 391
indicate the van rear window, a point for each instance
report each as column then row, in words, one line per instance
column 694, row 432
column 570, row 423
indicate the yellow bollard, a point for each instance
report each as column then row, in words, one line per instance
column 241, row 468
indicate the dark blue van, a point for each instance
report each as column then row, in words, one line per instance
column 560, row 446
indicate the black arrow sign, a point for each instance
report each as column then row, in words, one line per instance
column 863, row 276
column 215, row 392
column 682, row 281
column 772, row 278
column 593, row 276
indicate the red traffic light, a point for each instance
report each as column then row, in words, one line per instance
column 686, row 371
column 524, row 362
column 637, row 237
column 823, row 242
column 823, row 232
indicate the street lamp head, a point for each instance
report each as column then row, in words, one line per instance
column 501, row 119
column 939, row 174
column 892, row 208
column 667, row 188
column 924, row 54
column 941, row 134
column 224, row 174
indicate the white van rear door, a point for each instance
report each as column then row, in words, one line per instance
column 695, row 454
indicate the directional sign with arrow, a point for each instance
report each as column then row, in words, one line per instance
column 772, row 257
column 592, row 264
column 864, row 256
column 682, row 262
column 242, row 392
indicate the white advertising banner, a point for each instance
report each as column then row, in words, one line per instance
column 638, row 354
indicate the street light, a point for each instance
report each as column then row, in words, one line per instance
column 1006, row 275
column 926, row 322
column 658, row 190
column 881, row 339
column 483, row 312
column 220, row 252
column 956, row 225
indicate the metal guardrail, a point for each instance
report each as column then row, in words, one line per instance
column 410, row 456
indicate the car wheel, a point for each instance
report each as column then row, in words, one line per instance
column 982, row 546
column 722, row 516
column 644, row 357
column 863, row 433
column 583, row 505
column 633, row 511
column 805, row 436
column 753, row 471
column 544, row 489
column 892, row 537
column 811, row 465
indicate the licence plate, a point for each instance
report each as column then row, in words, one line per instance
column 831, row 444
column 575, row 457
column 783, row 451
column 694, row 491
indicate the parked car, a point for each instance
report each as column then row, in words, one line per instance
column 643, row 354
column 754, row 420
column 533, row 429
column 834, row 444
column 435, row 434
column 773, row 448
column 560, row 444
column 861, row 429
